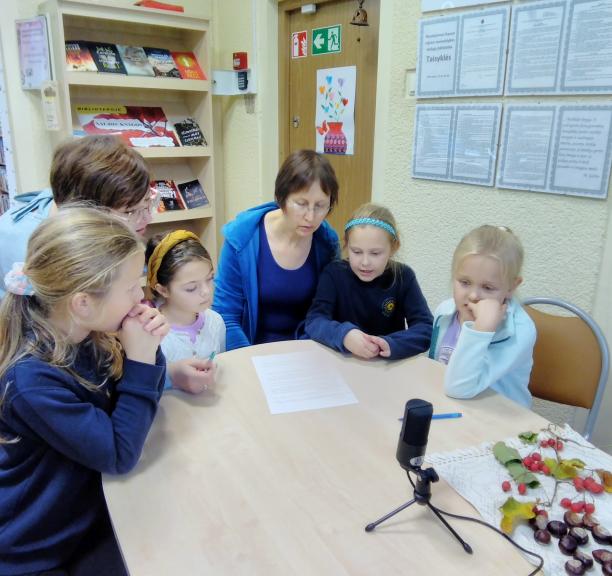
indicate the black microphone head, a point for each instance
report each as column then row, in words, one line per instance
column 413, row 436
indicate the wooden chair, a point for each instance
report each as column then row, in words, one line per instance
column 570, row 358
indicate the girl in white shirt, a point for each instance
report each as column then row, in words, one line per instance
column 180, row 276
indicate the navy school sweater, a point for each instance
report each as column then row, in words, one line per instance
column 50, row 480
column 381, row 307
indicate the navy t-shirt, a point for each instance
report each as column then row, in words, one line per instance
column 284, row 295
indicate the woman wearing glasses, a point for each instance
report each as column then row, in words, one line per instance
column 273, row 254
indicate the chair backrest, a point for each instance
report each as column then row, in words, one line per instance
column 570, row 358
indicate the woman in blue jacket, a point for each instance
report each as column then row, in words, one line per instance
column 273, row 254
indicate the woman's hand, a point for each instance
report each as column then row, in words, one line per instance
column 141, row 332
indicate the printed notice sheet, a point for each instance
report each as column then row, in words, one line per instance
column 588, row 63
column 525, row 147
column 301, row 381
column 475, row 144
column 456, row 143
column 437, row 57
column 463, row 54
column 431, row 5
column 563, row 149
column 535, row 47
column 432, row 142
column 481, row 62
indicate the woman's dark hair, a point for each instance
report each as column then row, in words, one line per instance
column 182, row 253
column 300, row 170
column 99, row 169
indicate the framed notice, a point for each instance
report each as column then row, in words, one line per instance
column 34, row 54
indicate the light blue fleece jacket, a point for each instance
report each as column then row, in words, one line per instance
column 16, row 227
column 501, row 360
column 236, row 286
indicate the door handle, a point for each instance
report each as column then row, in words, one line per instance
column 295, row 121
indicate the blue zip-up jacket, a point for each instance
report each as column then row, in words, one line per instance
column 501, row 360
column 236, row 286
column 16, row 227
column 50, row 479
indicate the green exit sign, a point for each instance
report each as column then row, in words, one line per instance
column 327, row 40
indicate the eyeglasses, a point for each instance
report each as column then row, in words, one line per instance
column 302, row 207
column 138, row 214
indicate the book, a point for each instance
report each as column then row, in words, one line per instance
column 162, row 62
column 189, row 133
column 138, row 126
column 78, row 57
column 188, row 66
column 193, row 194
column 135, row 60
column 106, row 57
column 160, row 5
column 169, row 196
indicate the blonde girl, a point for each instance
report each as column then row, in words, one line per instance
column 369, row 304
column 482, row 333
column 81, row 374
column 180, row 276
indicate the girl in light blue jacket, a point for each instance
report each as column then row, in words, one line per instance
column 483, row 333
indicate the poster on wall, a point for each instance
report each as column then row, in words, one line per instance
column 432, row 5
column 335, row 110
column 34, row 57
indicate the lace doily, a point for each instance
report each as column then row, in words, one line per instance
column 477, row 476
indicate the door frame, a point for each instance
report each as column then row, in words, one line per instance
column 284, row 46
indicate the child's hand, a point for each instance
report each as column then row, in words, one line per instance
column 192, row 375
column 155, row 323
column 383, row 346
column 141, row 332
column 360, row 344
column 488, row 313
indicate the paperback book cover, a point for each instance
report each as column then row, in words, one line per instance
column 189, row 133
column 162, row 62
column 106, row 57
column 193, row 194
column 170, row 197
column 135, row 60
column 188, row 66
column 138, row 126
column 78, row 57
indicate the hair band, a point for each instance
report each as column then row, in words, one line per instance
column 17, row 282
column 168, row 242
column 372, row 222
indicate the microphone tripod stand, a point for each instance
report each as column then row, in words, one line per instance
column 422, row 496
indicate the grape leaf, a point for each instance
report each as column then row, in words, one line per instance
column 512, row 460
column 513, row 510
column 564, row 469
column 505, row 454
column 529, row 437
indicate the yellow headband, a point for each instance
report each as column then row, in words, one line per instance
column 168, row 242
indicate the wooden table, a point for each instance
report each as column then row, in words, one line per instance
column 224, row 487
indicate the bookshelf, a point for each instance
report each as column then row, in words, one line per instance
column 111, row 22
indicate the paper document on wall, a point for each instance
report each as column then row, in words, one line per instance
column 301, row 381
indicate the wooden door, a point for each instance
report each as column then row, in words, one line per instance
column 297, row 86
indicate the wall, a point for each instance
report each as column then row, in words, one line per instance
column 563, row 237
column 248, row 132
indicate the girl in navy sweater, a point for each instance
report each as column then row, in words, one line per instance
column 80, row 378
column 370, row 305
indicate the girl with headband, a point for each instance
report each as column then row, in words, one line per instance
column 370, row 305
column 180, row 276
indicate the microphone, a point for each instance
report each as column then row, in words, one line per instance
column 413, row 436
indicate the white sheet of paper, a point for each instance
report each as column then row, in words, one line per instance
column 301, row 381
column 432, row 142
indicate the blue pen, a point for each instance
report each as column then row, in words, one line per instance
column 446, row 415
column 212, row 355
column 443, row 416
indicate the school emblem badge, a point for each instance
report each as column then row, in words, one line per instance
column 388, row 306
